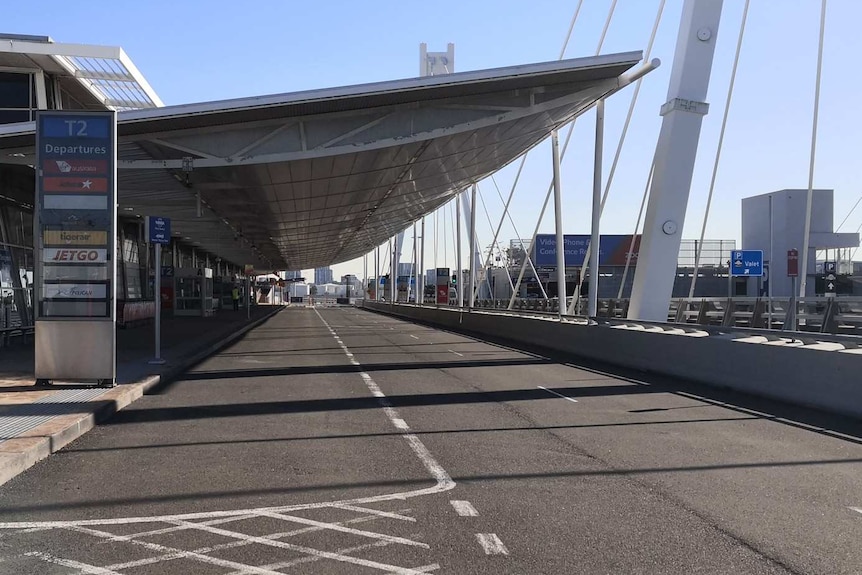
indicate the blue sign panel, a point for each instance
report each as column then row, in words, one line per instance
column 158, row 230
column 75, row 214
column 746, row 263
column 613, row 250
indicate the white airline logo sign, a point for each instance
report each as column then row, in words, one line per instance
column 72, row 255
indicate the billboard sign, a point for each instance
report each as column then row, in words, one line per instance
column 75, row 270
column 613, row 250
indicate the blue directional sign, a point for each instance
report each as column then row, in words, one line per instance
column 158, row 230
column 746, row 263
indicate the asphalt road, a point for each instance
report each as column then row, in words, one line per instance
column 340, row 441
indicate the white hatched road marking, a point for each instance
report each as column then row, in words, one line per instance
column 558, row 394
column 491, row 544
column 232, row 545
column 413, row 336
column 206, row 521
column 81, row 567
column 456, row 353
column 464, row 508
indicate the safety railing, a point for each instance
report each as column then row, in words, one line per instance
column 838, row 315
column 16, row 313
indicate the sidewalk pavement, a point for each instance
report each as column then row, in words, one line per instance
column 37, row 421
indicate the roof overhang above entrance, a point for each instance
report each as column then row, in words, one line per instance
column 301, row 180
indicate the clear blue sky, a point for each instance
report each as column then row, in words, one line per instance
column 206, row 50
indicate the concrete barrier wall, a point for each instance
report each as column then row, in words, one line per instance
column 828, row 380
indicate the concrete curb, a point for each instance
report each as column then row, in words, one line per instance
column 20, row 453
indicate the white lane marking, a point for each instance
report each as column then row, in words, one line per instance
column 456, row 353
column 857, row 509
column 303, row 549
column 81, row 567
column 558, row 394
column 400, row 423
column 341, row 528
column 413, row 336
column 491, row 544
column 464, row 508
column 443, row 483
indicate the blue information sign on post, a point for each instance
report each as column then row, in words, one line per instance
column 746, row 263
column 158, row 230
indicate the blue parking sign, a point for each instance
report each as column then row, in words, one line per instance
column 746, row 263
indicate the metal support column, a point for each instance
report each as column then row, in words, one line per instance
column 595, row 238
column 558, row 219
column 420, row 278
column 157, row 360
column 472, row 301
column 393, row 271
column 459, row 277
column 377, row 274
column 675, row 156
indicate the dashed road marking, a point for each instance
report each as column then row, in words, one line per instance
column 558, row 394
column 857, row 509
column 413, row 336
column 456, row 353
column 491, row 544
column 464, row 508
column 400, row 423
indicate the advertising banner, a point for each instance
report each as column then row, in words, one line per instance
column 613, row 250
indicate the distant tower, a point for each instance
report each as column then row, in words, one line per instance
column 436, row 63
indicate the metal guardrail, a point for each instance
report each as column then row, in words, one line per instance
column 832, row 315
column 15, row 321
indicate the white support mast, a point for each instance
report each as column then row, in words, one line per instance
column 675, row 156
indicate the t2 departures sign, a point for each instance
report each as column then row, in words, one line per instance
column 76, row 245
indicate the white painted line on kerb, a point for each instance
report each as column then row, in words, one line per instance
column 491, row 544
column 558, row 394
column 400, row 424
column 456, row 353
column 464, row 508
column 413, row 336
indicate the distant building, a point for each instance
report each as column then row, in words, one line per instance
column 293, row 275
column 777, row 220
column 322, row 276
column 405, row 269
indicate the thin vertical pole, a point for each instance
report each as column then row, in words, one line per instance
column 158, row 301
column 473, row 262
column 247, row 297
column 595, row 248
column 558, row 215
column 770, row 278
column 415, row 265
column 364, row 276
column 459, row 278
column 377, row 274
column 421, row 279
column 806, row 238
column 393, row 277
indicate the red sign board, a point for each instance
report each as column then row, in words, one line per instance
column 792, row 263
column 443, row 294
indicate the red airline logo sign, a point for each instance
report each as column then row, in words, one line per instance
column 75, row 167
column 76, row 184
